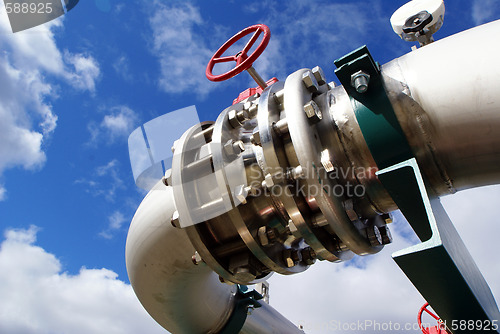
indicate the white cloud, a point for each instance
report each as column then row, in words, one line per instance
column 117, row 124
column 182, row 51
column 106, row 181
column 27, row 60
column 86, row 71
column 38, row 297
column 120, row 122
column 305, row 36
column 122, row 68
column 3, row 193
column 115, row 223
column 485, row 10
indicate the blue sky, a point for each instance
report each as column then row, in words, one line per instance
column 73, row 89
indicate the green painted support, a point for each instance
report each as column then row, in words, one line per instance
column 245, row 300
column 373, row 109
column 440, row 267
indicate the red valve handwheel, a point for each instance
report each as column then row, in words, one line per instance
column 440, row 328
column 242, row 59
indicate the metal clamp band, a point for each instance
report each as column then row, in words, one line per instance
column 372, row 107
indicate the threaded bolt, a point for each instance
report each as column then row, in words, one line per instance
column 360, row 81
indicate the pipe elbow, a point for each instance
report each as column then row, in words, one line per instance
column 180, row 296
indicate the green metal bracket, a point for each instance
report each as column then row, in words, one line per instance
column 245, row 301
column 373, row 109
column 440, row 267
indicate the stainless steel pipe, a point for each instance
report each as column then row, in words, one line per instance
column 181, row 296
column 447, row 100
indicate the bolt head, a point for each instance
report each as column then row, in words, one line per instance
column 233, row 119
column 292, row 227
column 241, row 193
column 374, row 235
column 238, row 147
column 167, row 178
column 196, row 258
column 234, row 147
column 262, row 234
column 272, row 235
column 255, row 138
column 268, row 179
column 310, row 82
column 388, row 218
column 386, row 235
column 175, row 219
column 287, row 258
column 319, row 75
column 326, row 161
column 308, row 256
column 313, row 112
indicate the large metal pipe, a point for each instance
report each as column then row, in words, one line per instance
column 446, row 97
column 180, row 296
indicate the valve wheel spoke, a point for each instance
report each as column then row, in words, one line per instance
column 251, row 42
column 243, row 60
column 224, row 59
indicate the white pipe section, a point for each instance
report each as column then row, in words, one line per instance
column 181, row 296
column 455, row 82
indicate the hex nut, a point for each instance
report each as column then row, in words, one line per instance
column 374, row 236
column 319, row 75
column 308, row 256
column 175, row 219
column 268, row 180
column 310, row 82
column 262, row 234
column 234, row 147
column 241, row 193
column 388, row 218
column 281, row 127
column 313, row 112
column 233, row 119
column 287, row 258
column 167, row 178
column 386, row 235
column 291, row 226
column 196, row 258
column 360, row 81
column 238, row 147
column 272, row 235
column 174, row 145
column 349, row 209
column 228, row 147
column 255, row 138
column 326, row 161
column 251, row 109
column 244, row 274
